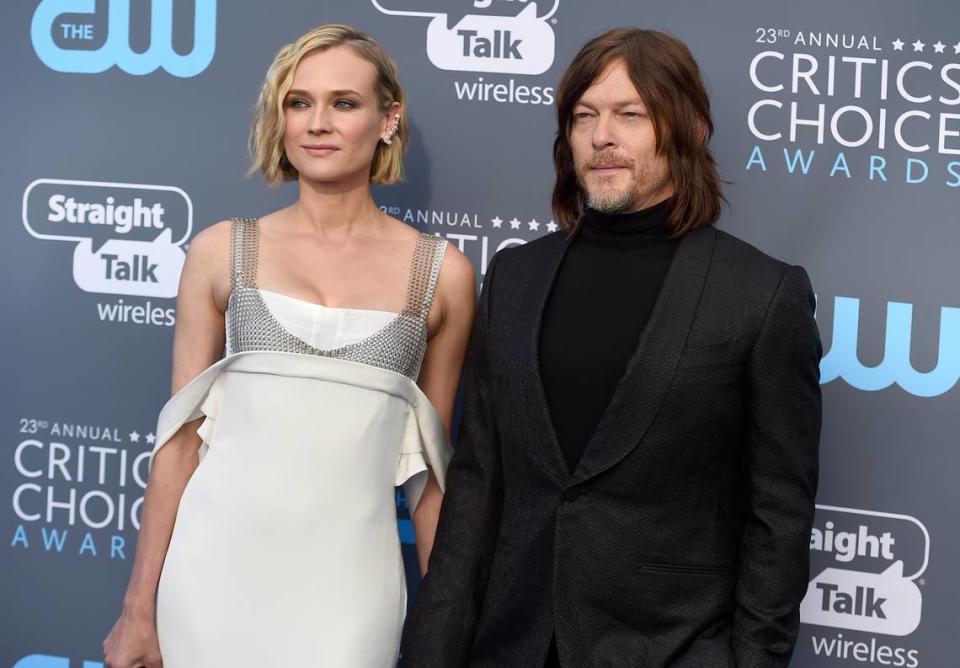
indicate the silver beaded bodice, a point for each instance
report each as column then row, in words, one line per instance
column 399, row 346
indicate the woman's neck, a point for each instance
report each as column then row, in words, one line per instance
column 336, row 210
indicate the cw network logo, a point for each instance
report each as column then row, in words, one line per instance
column 896, row 368
column 47, row 661
column 65, row 34
column 518, row 43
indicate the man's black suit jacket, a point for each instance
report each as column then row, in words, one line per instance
column 681, row 538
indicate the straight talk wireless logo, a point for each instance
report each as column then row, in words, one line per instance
column 490, row 36
column 868, row 568
column 128, row 241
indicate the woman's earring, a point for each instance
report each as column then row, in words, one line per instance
column 392, row 131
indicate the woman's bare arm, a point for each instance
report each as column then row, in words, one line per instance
column 440, row 375
column 198, row 342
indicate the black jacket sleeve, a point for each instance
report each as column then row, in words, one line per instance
column 782, row 434
column 440, row 627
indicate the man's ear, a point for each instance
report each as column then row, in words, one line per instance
column 703, row 131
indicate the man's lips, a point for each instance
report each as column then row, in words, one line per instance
column 605, row 169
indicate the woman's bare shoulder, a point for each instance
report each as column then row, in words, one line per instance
column 208, row 261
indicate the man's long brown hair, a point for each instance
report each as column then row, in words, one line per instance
column 668, row 79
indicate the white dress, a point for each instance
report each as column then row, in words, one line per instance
column 285, row 550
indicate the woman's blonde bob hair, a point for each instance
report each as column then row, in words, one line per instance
column 266, row 134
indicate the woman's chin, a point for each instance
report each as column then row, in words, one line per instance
column 332, row 177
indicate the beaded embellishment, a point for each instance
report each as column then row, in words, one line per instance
column 399, row 346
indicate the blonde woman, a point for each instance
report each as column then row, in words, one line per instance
column 268, row 532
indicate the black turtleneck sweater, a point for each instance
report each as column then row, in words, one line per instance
column 598, row 306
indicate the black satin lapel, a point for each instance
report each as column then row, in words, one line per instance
column 649, row 373
column 543, row 273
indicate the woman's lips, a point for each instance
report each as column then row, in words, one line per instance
column 320, row 149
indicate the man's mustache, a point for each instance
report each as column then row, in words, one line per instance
column 601, row 160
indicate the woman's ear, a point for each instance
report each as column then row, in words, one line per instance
column 391, row 122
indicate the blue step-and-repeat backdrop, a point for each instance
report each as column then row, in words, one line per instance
column 124, row 134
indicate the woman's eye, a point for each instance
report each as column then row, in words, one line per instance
column 344, row 104
column 296, row 103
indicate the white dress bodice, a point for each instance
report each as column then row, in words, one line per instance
column 320, row 326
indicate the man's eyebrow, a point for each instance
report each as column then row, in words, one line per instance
column 620, row 103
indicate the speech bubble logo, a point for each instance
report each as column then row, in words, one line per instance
column 860, row 557
column 868, row 540
column 121, row 267
column 522, row 44
column 886, row 602
column 68, row 210
column 460, row 40
column 454, row 11
column 128, row 236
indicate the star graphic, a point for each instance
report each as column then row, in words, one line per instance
column 956, row 47
column 918, row 45
column 939, row 46
column 534, row 225
column 134, row 436
column 551, row 226
column 514, row 224
column 497, row 222
column 151, row 439
column 897, row 44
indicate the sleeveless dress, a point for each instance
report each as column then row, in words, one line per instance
column 285, row 549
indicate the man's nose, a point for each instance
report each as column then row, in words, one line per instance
column 604, row 134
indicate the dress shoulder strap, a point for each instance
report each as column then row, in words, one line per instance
column 245, row 247
column 424, row 272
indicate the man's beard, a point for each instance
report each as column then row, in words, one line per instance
column 607, row 199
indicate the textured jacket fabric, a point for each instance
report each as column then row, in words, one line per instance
column 681, row 537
